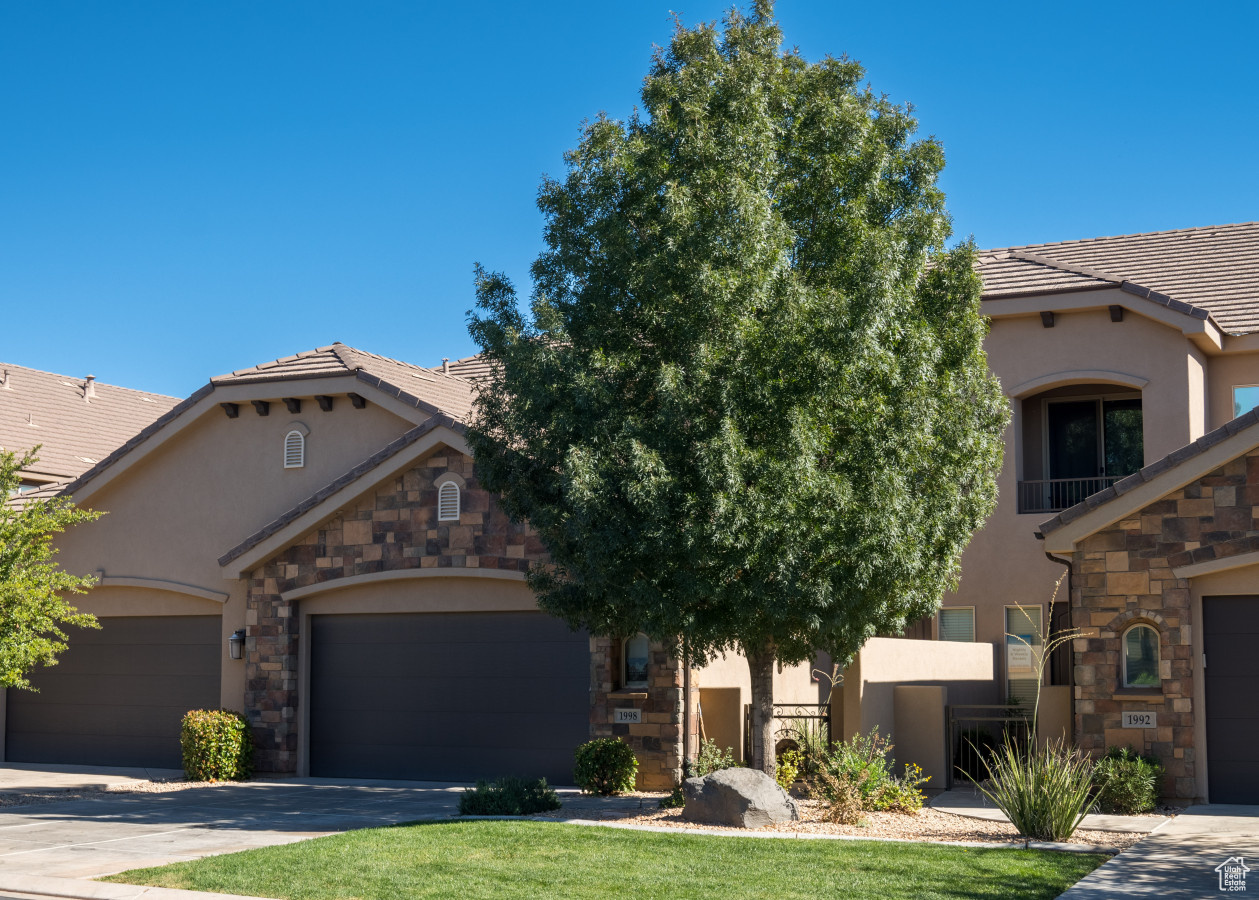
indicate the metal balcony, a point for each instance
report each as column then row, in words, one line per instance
column 1054, row 494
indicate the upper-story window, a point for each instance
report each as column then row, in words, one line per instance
column 1078, row 441
column 1245, row 398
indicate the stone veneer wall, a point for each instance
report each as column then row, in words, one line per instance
column 394, row 528
column 1123, row 575
column 657, row 739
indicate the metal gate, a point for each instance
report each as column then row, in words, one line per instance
column 976, row 731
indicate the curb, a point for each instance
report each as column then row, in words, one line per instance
column 801, row 836
column 75, row 889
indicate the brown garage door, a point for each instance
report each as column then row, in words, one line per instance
column 118, row 694
column 447, row 697
column 1230, row 627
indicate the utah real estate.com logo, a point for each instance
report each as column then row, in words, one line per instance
column 1232, row 874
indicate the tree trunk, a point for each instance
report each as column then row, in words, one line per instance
column 761, row 666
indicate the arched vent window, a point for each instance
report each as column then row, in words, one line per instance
column 294, row 450
column 1140, row 657
column 448, row 502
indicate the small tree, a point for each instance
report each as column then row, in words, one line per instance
column 32, row 586
column 749, row 407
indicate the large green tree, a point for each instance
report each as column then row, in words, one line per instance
column 749, row 405
column 33, row 588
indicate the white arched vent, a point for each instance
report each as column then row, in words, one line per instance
column 294, row 450
column 448, row 502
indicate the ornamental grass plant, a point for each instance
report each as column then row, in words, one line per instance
column 1046, row 791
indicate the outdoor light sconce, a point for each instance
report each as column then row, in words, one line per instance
column 236, row 643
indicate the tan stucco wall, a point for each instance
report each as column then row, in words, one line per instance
column 883, row 663
column 794, row 684
column 202, row 491
column 920, row 731
column 729, row 673
column 1005, row 564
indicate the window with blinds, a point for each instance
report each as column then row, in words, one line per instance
column 294, row 450
column 448, row 502
column 957, row 625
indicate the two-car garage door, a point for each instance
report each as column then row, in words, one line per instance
column 447, row 696
column 432, row 696
column 118, row 694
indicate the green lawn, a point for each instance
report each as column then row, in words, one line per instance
column 537, row 861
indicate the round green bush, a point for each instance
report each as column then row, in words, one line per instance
column 605, row 766
column 217, row 745
column 1126, row 782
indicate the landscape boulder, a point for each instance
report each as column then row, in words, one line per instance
column 738, row 798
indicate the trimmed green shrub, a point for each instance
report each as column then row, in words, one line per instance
column 1045, row 791
column 712, row 758
column 508, row 797
column 605, row 766
column 217, row 745
column 1126, row 782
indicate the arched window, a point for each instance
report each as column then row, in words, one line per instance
column 448, row 502
column 635, row 653
column 294, row 450
column 1140, row 657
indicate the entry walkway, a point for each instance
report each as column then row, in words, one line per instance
column 1180, row 858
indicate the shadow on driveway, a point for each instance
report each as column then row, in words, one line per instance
column 83, row 838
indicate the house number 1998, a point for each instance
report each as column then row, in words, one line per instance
column 626, row 716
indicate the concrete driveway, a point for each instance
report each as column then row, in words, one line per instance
column 1180, row 859
column 103, row 835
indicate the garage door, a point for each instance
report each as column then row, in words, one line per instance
column 1230, row 627
column 118, row 694
column 447, row 697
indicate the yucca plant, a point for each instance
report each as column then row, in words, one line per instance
column 1046, row 791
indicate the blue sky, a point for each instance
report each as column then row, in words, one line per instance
column 189, row 188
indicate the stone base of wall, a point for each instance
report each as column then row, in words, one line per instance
column 657, row 739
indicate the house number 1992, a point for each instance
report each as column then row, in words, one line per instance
column 1140, row 720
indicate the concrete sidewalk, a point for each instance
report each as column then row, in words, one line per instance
column 1180, row 859
column 972, row 804
column 20, row 778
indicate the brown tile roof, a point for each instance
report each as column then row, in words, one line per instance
column 43, row 492
column 76, row 431
column 473, row 368
column 1152, row 471
column 1213, row 270
column 423, row 388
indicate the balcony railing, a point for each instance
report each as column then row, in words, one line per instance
column 1054, row 494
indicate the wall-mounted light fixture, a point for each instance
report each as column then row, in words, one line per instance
column 236, row 644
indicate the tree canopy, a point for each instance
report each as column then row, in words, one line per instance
column 748, row 405
column 33, row 608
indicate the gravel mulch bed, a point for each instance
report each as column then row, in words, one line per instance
column 925, row 825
